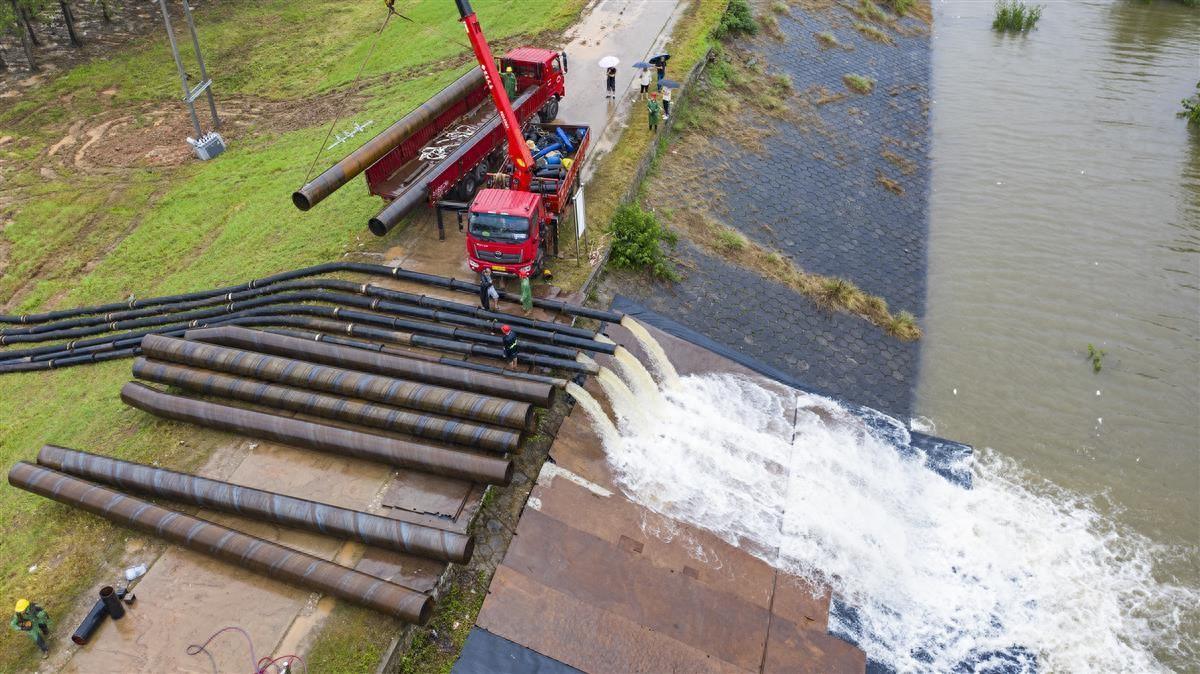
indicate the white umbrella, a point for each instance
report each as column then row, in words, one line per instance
column 609, row 62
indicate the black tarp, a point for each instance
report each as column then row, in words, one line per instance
column 486, row 653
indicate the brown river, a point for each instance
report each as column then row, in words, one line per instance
column 1065, row 212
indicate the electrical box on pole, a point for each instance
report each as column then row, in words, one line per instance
column 206, row 144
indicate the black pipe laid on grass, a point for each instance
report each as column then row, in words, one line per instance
column 321, row 437
column 317, row 270
column 382, row 532
column 533, row 336
column 488, row 319
column 209, row 317
column 123, row 346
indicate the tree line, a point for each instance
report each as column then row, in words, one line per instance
column 23, row 16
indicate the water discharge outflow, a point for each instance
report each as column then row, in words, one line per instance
column 939, row 575
column 658, row 357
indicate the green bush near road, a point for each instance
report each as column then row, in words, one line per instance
column 737, row 19
column 637, row 238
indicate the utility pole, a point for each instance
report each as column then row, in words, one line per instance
column 205, row 145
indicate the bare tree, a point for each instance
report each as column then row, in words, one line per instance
column 105, row 10
column 21, row 23
column 69, row 19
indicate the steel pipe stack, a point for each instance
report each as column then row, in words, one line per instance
column 383, row 532
column 380, row 363
column 321, row 437
column 401, row 393
column 249, row 552
column 330, row 407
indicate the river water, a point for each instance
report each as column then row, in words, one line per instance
column 1065, row 212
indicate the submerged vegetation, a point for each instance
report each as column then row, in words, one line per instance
column 1015, row 16
column 1096, row 356
column 1191, row 106
column 859, row 83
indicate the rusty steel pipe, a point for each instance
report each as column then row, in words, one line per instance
column 382, row 532
column 321, row 437
column 373, row 150
column 389, row 390
column 330, row 407
column 411, row 369
column 249, row 552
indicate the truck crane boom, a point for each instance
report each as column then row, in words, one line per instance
column 517, row 150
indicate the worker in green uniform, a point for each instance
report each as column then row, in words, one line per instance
column 510, row 83
column 653, row 109
column 34, row 622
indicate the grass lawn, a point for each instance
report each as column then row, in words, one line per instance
column 73, row 236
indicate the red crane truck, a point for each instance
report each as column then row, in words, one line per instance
column 511, row 229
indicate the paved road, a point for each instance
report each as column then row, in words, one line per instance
column 814, row 194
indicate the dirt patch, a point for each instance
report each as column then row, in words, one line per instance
column 155, row 135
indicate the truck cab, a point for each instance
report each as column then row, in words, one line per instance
column 505, row 232
column 538, row 67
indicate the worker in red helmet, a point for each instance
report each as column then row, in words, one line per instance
column 510, row 344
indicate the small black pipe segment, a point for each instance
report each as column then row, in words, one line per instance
column 112, row 602
column 91, row 622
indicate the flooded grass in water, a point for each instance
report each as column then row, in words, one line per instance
column 1015, row 16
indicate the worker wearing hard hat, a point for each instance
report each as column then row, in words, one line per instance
column 510, row 83
column 34, row 622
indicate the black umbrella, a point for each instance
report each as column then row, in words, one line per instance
column 660, row 57
column 670, row 84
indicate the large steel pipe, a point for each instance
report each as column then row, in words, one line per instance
column 442, row 429
column 373, row 150
column 322, row 437
column 383, row 532
column 249, row 552
column 418, row 192
column 375, row 362
column 389, row 390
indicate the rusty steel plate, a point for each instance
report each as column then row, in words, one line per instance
column 578, row 633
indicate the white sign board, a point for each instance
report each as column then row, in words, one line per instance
column 580, row 220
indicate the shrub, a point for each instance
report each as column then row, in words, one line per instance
column 732, row 240
column 904, row 326
column 1015, row 15
column 637, row 239
column 859, row 83
column 736, row 20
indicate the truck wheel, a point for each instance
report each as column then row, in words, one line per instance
column 468, row 186
column 549, row 111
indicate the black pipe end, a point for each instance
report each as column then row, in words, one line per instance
column 300, row 199
column 378, row 227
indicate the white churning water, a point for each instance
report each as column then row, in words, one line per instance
column 939, row 574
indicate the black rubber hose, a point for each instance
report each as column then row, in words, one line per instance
column 317, row 270
column 307, row 284
column 123, row 346
column 253, row 308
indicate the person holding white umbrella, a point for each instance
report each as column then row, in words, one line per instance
column 609, row 63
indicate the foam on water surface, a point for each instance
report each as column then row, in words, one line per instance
column 939, row 576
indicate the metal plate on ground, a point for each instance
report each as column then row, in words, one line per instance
column 595, row 572
column 427, row 494
column 486, row 653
